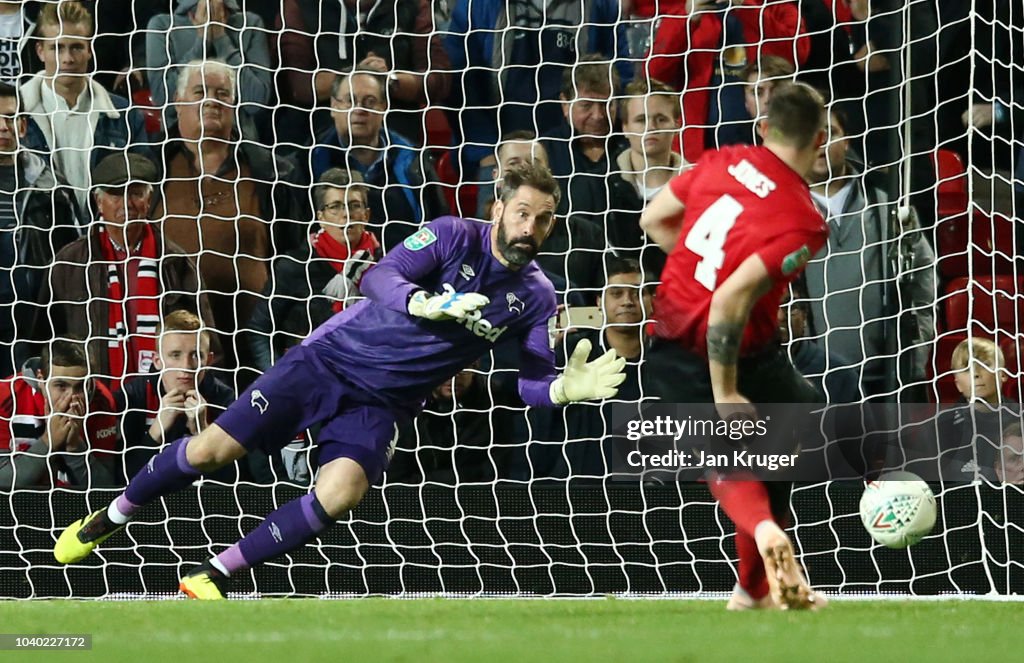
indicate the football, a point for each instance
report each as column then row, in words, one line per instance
column 897, row 509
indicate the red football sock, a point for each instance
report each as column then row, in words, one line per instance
column 745, row 502
column 752, row 577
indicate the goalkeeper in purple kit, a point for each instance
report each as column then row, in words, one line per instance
column 433, row 305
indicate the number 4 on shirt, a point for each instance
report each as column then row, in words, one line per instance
column 707, row 237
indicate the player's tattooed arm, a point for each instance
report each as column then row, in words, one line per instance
column 724, row 342
column 728, row 316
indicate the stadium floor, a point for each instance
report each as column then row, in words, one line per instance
column 422, row 630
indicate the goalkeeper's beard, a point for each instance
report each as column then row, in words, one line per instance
column 518, row 253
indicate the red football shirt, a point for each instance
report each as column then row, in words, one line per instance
column 23, row 418
column 740, row 201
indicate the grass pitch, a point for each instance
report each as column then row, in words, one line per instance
column 454, row 631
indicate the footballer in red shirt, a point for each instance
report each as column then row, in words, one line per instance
column 738, row 228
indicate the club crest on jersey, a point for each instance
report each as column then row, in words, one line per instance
column 466, row 272
column 420, row 240
column 515, row 305
column 795, row 260
column 258, row 401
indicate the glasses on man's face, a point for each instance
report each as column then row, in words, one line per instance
column 346, row 102
column 349, row 209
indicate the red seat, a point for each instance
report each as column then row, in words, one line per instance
column 997, row 308
column 989, row 241
column 448, row 176
column 1013, row 366
column 143, row 101
column 951, row 183
column 439, row 133
column 943, row 386
column 461, row 197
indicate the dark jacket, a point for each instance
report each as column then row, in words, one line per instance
column 139, row 400
column 45, row 216
column 574, row 254
column 457, row 442
column 22, row 59
column 403, row 189
column 576, row 442
column 71, row 303
column 172, row 41
column 831, row 375
column 625, row 237
column 514, row 63
column 293, row 304
column 583, row 182
column 968, row 442
column 314, row 38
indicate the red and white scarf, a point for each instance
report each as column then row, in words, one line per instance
column 337, row 254
column 133, row 312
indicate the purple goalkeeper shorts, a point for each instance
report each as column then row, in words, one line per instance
column 299, row 392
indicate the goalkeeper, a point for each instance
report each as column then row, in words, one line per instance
column 434, row 305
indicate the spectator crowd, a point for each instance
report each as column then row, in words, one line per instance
column 189, row 187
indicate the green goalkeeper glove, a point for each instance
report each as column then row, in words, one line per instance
column 583, row 382
column 449, row 305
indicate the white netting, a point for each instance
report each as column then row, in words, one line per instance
column 484, row 495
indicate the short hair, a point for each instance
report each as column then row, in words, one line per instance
column 645, row 87
column 202, row 66
column 63, row 353
column 532, row 174
column 1013, row 430
column 517, row 136
column 616, row 266
column 981, row 349
column 182, row 320
column 770, row 67
column 796, row 115
column 592, row 72
column 838, row 116
column 379, row 78
column 336, row 178
column 59, row 14
column 521, row 136
column 8, row 91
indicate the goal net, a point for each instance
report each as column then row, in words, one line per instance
column 485, row 496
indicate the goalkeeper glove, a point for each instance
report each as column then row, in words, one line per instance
column 449, row 305
column 584, row 381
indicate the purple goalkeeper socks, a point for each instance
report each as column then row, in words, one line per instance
column 290, row 527
column 167, row 472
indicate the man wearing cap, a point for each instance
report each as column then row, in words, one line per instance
column 115, row 284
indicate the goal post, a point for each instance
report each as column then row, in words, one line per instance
column 489, row 498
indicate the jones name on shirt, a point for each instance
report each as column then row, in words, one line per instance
column 753, row 179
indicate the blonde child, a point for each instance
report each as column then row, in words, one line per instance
column 979, row 363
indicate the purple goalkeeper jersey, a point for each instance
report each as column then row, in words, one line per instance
column 399, row 358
